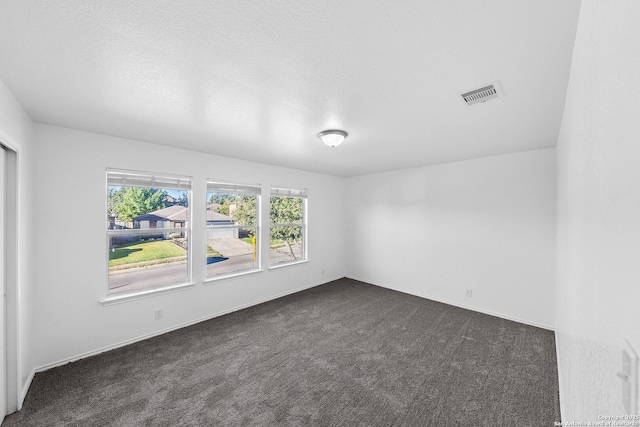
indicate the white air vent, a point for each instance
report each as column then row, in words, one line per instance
column 482, row 93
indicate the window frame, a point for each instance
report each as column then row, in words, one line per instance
column 237, row 189
column 162, row 181
column 290, row 192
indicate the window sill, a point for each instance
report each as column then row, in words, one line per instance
column 125, row 297
column 213, row 279
column 288, row 264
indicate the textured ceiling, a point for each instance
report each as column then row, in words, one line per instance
column 258, row 80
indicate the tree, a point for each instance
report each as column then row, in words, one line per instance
column 286, row 210
column 224, row 207
column 114, row 198
column 219, row 198
column 138, row 201
column 245, row 211
column 183, row 200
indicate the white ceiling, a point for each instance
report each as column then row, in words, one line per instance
column 258, row 80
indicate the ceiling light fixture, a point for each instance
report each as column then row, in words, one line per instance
column 332, row 137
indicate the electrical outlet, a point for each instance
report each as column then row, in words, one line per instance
column 469, row 292
column 159, row 314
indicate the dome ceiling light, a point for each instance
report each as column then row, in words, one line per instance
column 332, row 137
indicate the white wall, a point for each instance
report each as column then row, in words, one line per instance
column 599, row 210
column 486, row 224
column 16, row 131
column 14, row 122
column 71, row 252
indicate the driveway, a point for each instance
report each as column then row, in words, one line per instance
column 231, row 247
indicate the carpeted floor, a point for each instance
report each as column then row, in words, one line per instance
column 341, row 354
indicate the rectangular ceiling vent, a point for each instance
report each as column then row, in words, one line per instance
column 482, row 94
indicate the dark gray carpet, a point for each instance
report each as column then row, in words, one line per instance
column 341, row 354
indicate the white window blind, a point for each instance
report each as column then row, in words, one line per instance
column 232, row 188
column 140, row 179
column 289, row 192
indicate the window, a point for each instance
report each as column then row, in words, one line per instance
column 288, row 226
column 148, row 226
column 232, row 228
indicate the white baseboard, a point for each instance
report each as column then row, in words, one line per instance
column 454, row 303
column 560, row 393
column 173, row 328
column 25, row 388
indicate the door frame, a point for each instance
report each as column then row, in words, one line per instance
column 14, row 387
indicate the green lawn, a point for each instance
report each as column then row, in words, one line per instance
column 212, row 252
column 144, row 251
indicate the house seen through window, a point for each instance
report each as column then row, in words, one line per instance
column 148, row 226
column 232, row 228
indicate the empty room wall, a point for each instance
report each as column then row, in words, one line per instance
column 71, row 251
column 16, row 129
column 599, row 211
column 487, row 225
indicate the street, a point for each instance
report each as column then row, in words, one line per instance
column 176, row 272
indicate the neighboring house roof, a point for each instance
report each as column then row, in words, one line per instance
column 214, row 216
column 217, row 216
column 179, row 214
column 173, row 213
column 148, row 217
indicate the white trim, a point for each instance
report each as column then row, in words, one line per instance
column 224, row 226
column 454, row 303
column 146, row 293
column 7, row 259
column 173, row 328
column 145, row 231
column 287, row 264
column 18, row 398
column 9, row 142
column 25, row 387
column 231, row 275
column 560, row 393
column 21, row 393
